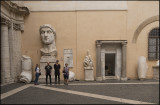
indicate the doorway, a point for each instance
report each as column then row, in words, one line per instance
column 109, row 64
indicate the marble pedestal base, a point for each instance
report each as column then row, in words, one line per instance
column 124, row 78
column 89, row 76
column 156, row 72
column 43, row 63
column 99, row 79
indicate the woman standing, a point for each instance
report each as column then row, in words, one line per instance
column 66, row 74
column 37, row 70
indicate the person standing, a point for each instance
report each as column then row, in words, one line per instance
column 37, row 70
column 48, row 70
column 66, row 74
column 57, row 71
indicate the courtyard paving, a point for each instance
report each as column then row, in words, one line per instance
column 82, row 92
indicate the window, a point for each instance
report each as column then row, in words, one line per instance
column 153, row 44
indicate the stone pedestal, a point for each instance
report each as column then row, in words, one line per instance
column 124, row 78
column 156, row 72
column 43, row 63
column 89, row 75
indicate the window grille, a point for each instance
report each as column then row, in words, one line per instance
column 153, row 44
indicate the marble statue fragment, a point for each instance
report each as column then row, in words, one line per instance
column 88, row 62
column 157, row 63
column 88, row 67
column 48, row 35
column 71, row 76
column 142, row 67
column 26, row 74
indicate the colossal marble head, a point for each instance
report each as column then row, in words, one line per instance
column 47, row 34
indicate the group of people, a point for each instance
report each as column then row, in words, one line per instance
column 48, row 71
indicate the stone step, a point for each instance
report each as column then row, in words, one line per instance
column 110, row 77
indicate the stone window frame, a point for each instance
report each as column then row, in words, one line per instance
column 153, row 35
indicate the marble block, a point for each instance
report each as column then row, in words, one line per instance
column 89, row 75
column 142, row 67
column 156, row 72
column 43, row 63
column 45, row 59
column 71, row 76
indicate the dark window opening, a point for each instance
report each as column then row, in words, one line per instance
column 153, row 44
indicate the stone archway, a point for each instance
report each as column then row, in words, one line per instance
column 117, row 47
column 142, row 25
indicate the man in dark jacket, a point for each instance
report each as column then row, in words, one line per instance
column 48, row 69
column 57, row 72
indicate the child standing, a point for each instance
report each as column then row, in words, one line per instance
column 66, row 74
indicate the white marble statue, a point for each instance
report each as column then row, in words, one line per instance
column 71, row 76
column 88, row 62
column 142, row 67
column 48, row 35
column 26, row 74
column 157, row 64
column 88, row 67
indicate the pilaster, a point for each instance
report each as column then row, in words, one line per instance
column 12, row 24
column 124, row 50
column 5, row 56
column 98, row 67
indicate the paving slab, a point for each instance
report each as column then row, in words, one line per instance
column 11, row 86
column 33, row 95
column 146, row 91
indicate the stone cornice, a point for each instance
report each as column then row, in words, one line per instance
column 11, row 13
column 111, row 41
column 98, row 42
column 75, row 5
column 13, row 7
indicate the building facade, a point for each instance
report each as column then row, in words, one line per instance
column 115, row 32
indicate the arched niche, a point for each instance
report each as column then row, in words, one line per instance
column 142, row 25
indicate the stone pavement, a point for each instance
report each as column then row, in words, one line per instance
column 83, row 92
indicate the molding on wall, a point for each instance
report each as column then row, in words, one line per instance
column 14, row 14
column 13, row 7
column 40, row 6
column 142, row 25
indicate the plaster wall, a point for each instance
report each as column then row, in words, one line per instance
column 65, row 25
column 139, row 11
column 75, row 30
column 78, row 30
